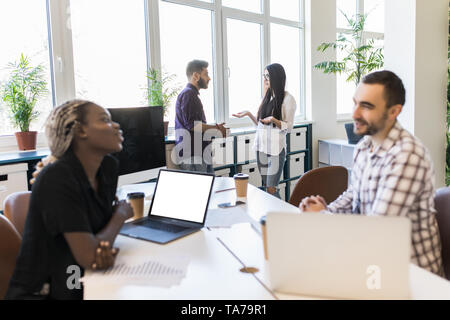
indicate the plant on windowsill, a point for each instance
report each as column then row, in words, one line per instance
column 360, row 57
column 20, row 92
column 160, row 91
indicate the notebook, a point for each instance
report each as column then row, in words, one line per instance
column 179, row 207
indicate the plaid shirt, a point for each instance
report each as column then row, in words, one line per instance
column 396, row 179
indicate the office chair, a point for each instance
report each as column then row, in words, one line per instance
column 15, row 208
column 10, row 241
column 328, row 182
column 442, row 205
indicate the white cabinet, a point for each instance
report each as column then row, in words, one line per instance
column 336, row 152
column 282, row 191
column 245, row 150
column 296, row 164
column 222, row 173
column 222, row 150
column 298, row 139
column 13, row 178
column 252, row 170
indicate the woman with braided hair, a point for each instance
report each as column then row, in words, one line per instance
column 71, row 221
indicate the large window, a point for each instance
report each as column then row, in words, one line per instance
column 192, row 40
column 244, row 65
column 100, row 50
column 109, row 51
column 374, row 28
column 23, row 29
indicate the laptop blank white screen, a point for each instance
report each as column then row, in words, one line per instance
column 182, row 196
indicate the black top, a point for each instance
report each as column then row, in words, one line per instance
column 62, row 200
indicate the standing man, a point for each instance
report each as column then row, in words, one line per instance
column 190, row 122
column 392, row 170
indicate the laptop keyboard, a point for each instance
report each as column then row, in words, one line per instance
column 161, row 226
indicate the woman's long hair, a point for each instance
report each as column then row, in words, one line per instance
column 269, row 106
column 60, row 130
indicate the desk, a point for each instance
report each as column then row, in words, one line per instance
column 217, row 255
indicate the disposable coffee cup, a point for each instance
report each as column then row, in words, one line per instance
column 136, row 200
column 264, row 236
column 241, row 182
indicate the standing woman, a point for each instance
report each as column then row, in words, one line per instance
column 71, row 220
column 274, row 119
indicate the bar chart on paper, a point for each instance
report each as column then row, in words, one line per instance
column 155, row 271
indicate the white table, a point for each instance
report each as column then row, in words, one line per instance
column 218, row 254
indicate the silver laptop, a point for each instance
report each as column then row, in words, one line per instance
column 179, row 207
column 339, row 256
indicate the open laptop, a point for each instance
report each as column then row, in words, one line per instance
column 179, row 207
column 339, row 256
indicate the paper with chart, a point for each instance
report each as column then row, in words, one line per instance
column 161, row 271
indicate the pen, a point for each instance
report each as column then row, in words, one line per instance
column 225, row 190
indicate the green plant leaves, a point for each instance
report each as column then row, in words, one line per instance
column 21, row 91
column 360, row 58
column 159, row 91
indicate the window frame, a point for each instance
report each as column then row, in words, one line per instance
column 62, row 61
column 366, row 35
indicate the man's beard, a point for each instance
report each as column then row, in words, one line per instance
column 372, row 128
column 202, row 84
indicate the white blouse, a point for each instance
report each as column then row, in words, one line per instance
column 271, row 140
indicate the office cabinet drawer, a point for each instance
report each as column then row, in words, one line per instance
column 282, row 190
column 296, row 165
column 324, row 152
column 252, row 170
column 13, row 178
column 335, row 155
column 347, row 156
column 222, row 173
column 292, row 187
column 222, row 151
column 298, row 139
column 245, row 150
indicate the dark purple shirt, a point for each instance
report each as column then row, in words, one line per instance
column 188, row 109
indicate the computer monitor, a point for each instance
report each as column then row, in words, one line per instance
column 143, row 152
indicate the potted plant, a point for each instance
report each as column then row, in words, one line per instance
column 20, row 92
column 160, row 92
column 360, row 57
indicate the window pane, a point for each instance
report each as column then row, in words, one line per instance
column 349, row 8
column 285, row 49
column 247, row 5
column 375, row 18
column 23, row 29
column 285, row 9
column 192, row 39
column 109, row 51
column 345, row 90
column 244, row 63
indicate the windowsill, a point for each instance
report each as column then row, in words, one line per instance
column 344, row 117
column 8, row 143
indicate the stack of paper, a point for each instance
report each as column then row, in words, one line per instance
column 150, row 271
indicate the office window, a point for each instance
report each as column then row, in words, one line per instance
column 285, row 49
column 285, row 9
column 244, row 65
column 348, row 7
column 191, row 40
column 109, row 51
column 375, row 18
column 374, row 28
column 23, row 29
column 247, row 5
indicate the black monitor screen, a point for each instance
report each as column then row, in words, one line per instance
column 143, row 132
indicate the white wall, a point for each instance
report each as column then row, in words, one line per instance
column 320, row 26
column 416, row 50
